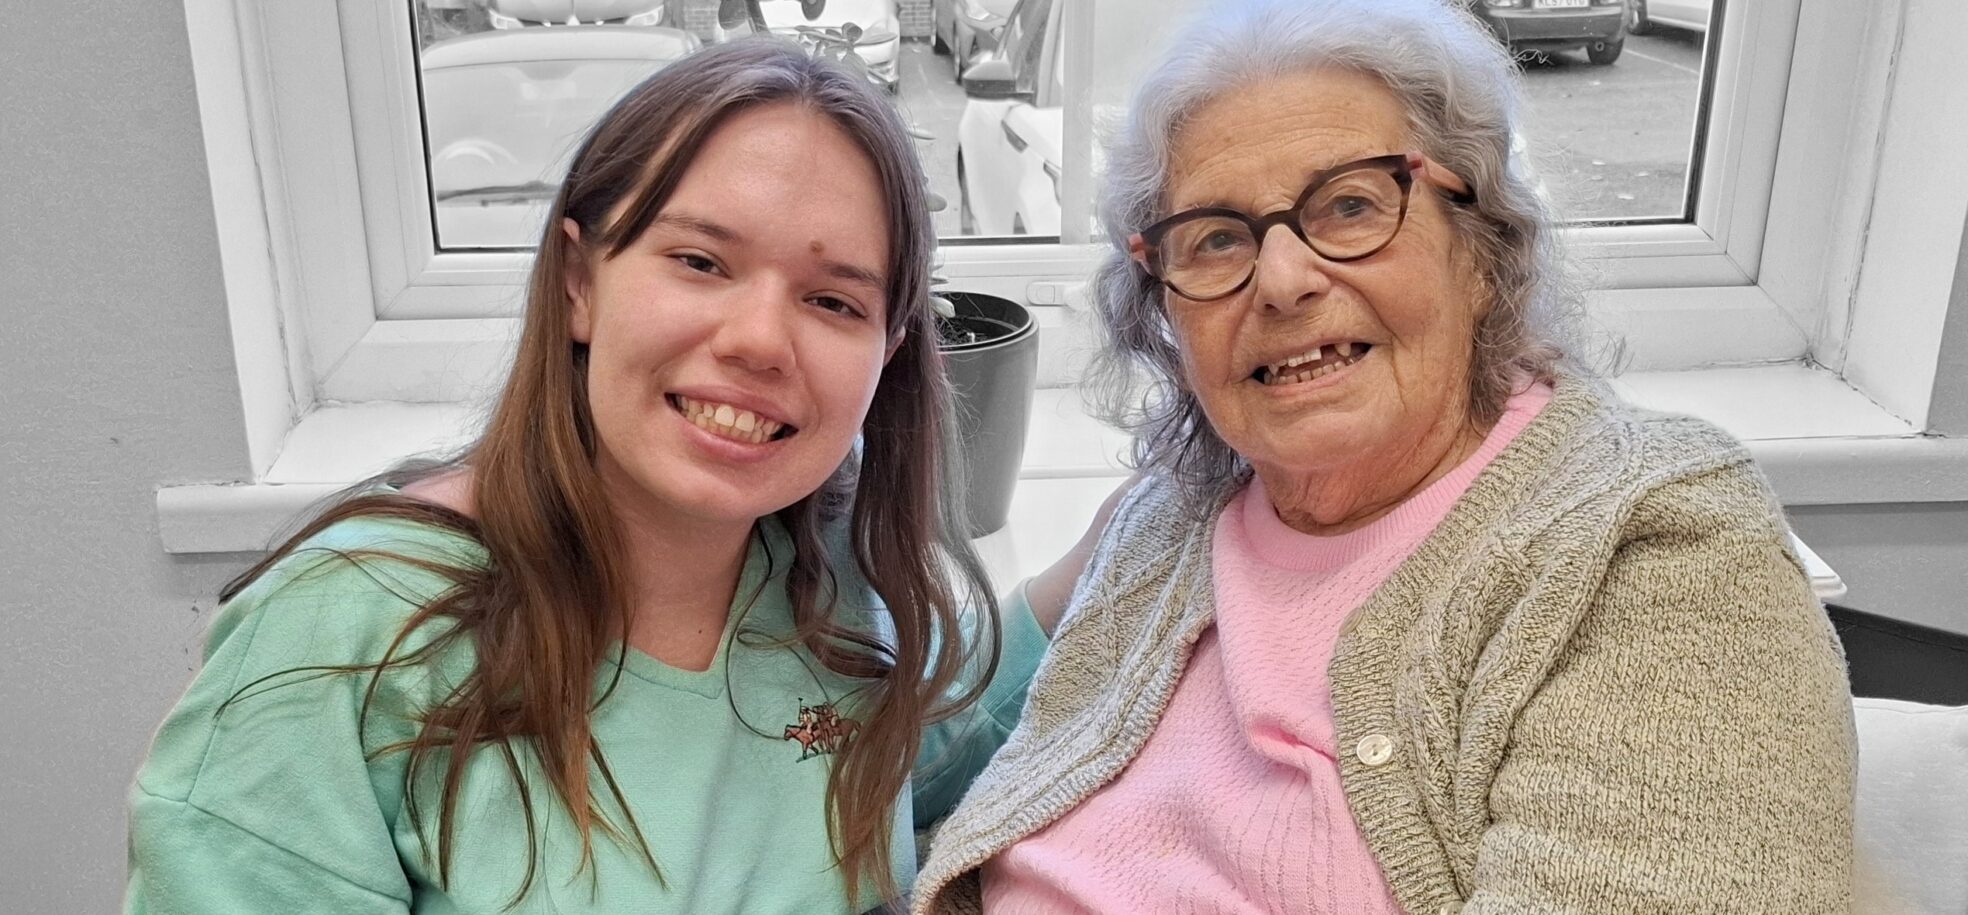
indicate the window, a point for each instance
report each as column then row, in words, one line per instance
column 508, row 88
column 505, row 90
column 462, row 111
column 376, row 240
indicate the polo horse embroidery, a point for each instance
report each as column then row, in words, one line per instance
column 821, row 730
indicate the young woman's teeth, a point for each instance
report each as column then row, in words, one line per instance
column 725, row 420
column 1322, row 361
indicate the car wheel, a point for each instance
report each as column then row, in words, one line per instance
column 966, row 224
column 1637, row 22
column 1605, row 52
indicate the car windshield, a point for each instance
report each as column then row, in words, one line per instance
column 1027, row 25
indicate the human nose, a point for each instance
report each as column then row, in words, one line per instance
column 756, row 332
column 1290, row 276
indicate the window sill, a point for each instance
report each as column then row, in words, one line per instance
column 1820, row 441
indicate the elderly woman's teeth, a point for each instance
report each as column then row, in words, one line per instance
column 726, row 421
column 1325, row 360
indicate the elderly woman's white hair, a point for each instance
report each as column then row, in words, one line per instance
column 1460, row 91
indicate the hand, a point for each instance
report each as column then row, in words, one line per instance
column 1049, row 591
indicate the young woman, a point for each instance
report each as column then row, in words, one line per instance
column 629, row 652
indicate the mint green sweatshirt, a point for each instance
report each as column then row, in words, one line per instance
column 271, row 806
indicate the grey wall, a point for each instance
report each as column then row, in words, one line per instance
column 1903, row 561
column 1950, row 413
column 115, row 374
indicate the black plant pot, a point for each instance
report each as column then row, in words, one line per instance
column 991, row 356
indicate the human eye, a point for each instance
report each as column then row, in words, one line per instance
column 1350, row 207
column 1360, row 195
column 696, row 262
column 837, row 305
column 1210, row 241
column 1219, row 241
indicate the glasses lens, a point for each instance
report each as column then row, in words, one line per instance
column 1207, row 256
column 1353, row 214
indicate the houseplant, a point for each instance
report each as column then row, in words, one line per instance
column 990, row 348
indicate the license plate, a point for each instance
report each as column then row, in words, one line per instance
column 1558, row 4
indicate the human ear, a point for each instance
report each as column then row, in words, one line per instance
column 579, row 282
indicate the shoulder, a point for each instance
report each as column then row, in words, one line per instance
column 275, row 754
column 1152, row 552
column 1604, row 460
column 342, row 595
column 1588, row 426
column 1152, row 522
column 1686, row 476
column 1672, row 446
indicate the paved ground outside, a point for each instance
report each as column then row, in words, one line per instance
column 1614, row 142
column 1610, row 142
column 933, row 102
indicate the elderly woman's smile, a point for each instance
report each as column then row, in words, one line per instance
column 1344, row 382
column 1321, row 361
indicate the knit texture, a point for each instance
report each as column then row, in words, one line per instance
column 1602, row 684
column 1234, row 804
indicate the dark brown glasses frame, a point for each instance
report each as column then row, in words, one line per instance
column 1144, row 246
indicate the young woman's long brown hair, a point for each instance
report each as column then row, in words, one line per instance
column 543, row 611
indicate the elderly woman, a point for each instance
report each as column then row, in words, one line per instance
column 1408, row 613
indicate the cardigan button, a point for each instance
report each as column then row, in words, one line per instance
column 1375, row 749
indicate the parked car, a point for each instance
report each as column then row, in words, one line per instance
column 964, row 28
column 505, row 109
column 1643, row 15
column 1546, row 26
column 1010, row 137
column 879, row 44
column 513, row 14
column 437, row 20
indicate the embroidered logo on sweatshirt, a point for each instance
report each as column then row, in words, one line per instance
column 821, row 730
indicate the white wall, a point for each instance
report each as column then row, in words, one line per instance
column 115, row 374
column 1909, row 561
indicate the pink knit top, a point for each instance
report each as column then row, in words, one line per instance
column 1234, row 804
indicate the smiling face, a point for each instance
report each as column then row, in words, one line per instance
column 734, row 347
column 1344, row 384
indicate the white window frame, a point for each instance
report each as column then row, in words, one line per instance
column 337, row 297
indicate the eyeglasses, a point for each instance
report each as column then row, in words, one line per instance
column 1348, row 212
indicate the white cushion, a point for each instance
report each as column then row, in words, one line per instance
column 1912, row 812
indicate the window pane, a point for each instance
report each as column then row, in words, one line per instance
column 1614, row 131
column 509, row 88
column 1615, row 90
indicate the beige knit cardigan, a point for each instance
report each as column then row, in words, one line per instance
column 1601, row 685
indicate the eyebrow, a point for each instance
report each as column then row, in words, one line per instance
column 836, row 269
column 1218, row 203
column 703, row 227
column 854, row 274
